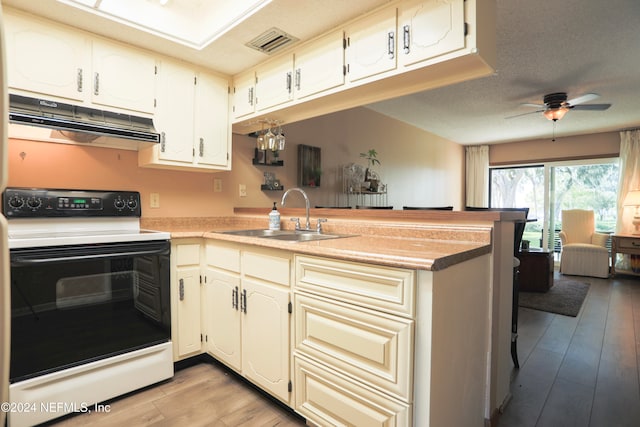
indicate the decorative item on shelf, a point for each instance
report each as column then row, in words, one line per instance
column 633, row 199
column 370, row 176
column 259, row 157
column 271, row 183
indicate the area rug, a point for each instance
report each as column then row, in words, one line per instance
column 565, row 297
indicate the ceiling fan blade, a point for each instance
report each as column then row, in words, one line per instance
column 524, row 114
column 584, row 98
column 591, row 107
column 533, row 105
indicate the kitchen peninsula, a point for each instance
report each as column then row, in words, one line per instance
column 388, row 325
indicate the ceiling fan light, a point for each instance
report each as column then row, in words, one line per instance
column 555, row 113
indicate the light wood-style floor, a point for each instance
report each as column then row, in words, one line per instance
column 575, row 371
column 580, row 371
column 204, row 394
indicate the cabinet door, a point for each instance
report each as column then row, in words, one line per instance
column 211, row 128
column 371, row 45
column 265, row 336
column 123, row 77
column 188, row 297
column 274, row 83
column 429, row 28
column 320, row 65
column 174, row 112
column 244, row 94
column 46, row 59
column 222, row 323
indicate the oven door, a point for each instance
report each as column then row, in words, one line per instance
column 75, row 304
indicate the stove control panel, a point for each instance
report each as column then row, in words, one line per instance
column 43, row 203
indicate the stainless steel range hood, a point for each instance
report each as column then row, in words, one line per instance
column 80, row 124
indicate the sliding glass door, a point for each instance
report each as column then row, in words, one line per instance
column 547, row 189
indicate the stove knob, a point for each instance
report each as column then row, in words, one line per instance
column 132, row 204
column 119, row 204
column 34, row 202
column 16, row 202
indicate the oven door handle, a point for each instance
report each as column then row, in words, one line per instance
column 31, row 261
column 63, row 254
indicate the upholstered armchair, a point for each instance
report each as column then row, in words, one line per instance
column 584, row 251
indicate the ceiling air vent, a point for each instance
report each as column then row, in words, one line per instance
column 271, row 41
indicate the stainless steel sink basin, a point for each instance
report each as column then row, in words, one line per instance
column 288, row 235
column 258, row 233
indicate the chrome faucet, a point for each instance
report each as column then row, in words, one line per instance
column 306, row 203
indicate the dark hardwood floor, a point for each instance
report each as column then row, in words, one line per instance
column 575, row 371
column 580, row 371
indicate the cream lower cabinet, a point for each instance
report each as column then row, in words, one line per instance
column 185, row 298
column 354, row 339
column 248, row 314
column 380, row 346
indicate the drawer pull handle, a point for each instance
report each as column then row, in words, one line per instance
column 181, row 289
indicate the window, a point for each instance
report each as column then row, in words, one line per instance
column 549, row 188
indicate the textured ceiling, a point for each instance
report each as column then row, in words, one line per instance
column 545, row 46
column 573, row 46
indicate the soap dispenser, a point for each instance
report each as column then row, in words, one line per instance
column 274, row 218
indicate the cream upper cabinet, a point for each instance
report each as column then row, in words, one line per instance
column 372, row 45
column 274, row 83
column 61, row 62
column 319, row 65
column 46, row 59
column 174, row 111
column 211, row 121
column 192, row 116
column 244, row 94
column 185, row 298
column 429, row 28
column 123, row 77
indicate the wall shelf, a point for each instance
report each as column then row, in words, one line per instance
column 265, row 187
column 257, row 162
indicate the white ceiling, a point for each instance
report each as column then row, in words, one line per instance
column 545, row 46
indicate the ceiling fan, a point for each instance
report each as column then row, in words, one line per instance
column 556, row 105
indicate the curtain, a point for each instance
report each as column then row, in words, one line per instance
column 477, row 176
column 629, row 177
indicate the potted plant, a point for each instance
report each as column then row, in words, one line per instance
column 372, row 159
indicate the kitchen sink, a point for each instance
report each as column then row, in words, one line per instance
column 287, row 235
column 258, row 233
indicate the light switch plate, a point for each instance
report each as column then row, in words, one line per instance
column 154, row 200
column 242, row 190
column 217, row 185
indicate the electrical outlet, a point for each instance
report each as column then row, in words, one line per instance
column 217, row 185
column 242, row 190
column 154, row 200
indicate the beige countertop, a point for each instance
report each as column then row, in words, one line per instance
column 413, row 243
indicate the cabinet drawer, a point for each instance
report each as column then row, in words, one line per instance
column 384, row 288
column 325, row 397
column 628, row 243
column 374, row 347
column 267, row 267
column 224, row 257
column 187, row 254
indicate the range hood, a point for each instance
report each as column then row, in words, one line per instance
column 80, row 124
